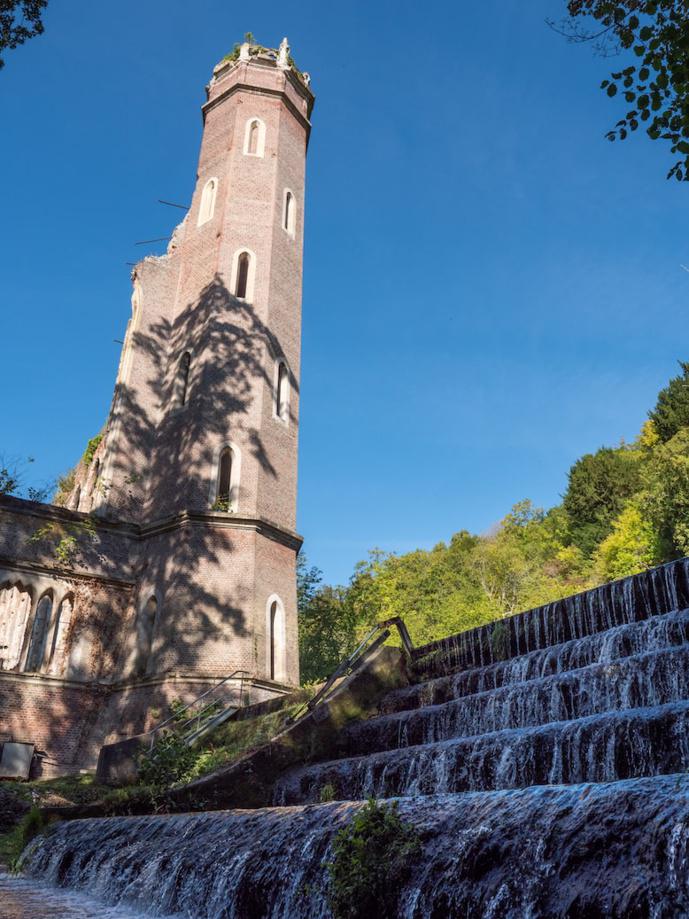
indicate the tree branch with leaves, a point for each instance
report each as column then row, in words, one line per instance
column 655, row 85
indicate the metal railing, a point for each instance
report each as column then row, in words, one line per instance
column 193, row 725
column 363, row 650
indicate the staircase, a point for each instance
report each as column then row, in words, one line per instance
column 205, row 713
column 591, row 689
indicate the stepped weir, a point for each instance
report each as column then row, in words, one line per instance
column 542, row 759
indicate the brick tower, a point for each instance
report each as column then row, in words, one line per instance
column 201, row 444
column 183, row 518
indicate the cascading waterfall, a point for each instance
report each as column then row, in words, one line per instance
column 595, row 850
column 542, row 760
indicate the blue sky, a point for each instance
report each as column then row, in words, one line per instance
column 491, row 288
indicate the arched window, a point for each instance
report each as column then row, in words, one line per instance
column 254, row 137
column 15, row 606
column 62, row 622
column 281, row 407
column 207, row 206
column 243, row 274
column 225, row 495
column 39, row 634
column 289, row 213
column 145, row 628
column 225, row 477
column 276, row 645
column 182, row 386
column 94, row 482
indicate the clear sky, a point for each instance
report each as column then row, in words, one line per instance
column 491, row 288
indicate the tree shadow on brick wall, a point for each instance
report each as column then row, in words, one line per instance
column 168, row 456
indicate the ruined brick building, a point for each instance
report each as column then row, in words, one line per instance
column 173, row 561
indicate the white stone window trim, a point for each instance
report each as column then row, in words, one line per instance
column 279, row 635
column 251, row 276
column 235, row 477
column 283, row 418
column 261, row 139
column 289, row 218
column 207, row 204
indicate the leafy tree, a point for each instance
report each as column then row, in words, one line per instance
column 666, row 499
column 671, row 412
column 19, row 21
column 599, row 485
column 327, row 630
column 631, row 546
column 655, row 85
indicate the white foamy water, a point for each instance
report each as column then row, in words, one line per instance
column 24, row 898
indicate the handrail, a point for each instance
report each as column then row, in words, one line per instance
column 197, row 717
column 357, row 657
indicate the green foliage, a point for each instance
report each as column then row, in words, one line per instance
column 630, row 547
column 66, row 540
column 19, row 21
column 665, row 501
column 371, row 857
column 13, row 843
column 655, row 84
column 168, row 762
column 326, row 794
column 221, row 504
column 9, row 480
column 671, row 412
column 91, row 448
column 599, row 485
column 327, row 628
column 65, row 487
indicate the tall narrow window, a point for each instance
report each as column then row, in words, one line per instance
column 224, row 480
column 145, row 627
column 64, row 617
column 289, row 213
column 276, row 648
column 15, row 605
column 282, row 392
column 273, row 624
column 183, row 379
column 207, row 205
column 242, row 284
column 39, row 634
column 254, row 137
column 94, row 483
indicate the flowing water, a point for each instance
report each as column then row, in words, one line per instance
column 24, row 898
column 542, row 760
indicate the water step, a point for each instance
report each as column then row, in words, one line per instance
column 667, row 631
column 584, row 851
column 641, row 681
column 600, row 748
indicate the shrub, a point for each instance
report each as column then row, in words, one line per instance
column 371, row 856
column 169, row 761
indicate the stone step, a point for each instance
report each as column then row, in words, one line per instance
column 640, row 681
column 600, row 748
column 667, row 631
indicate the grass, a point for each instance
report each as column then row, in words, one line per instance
column 236, row 738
